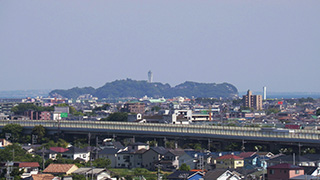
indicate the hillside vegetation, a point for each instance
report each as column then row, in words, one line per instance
column 133, row 88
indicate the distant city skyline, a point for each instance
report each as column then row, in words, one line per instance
column 59, row 44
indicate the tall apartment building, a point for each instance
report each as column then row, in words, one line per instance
column 252, row 101
column 134, row 108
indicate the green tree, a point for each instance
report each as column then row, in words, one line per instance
column 233, row 147
column 40, row 131
column 59, row 143
column 153, row 143
column 117, row 116
column 15, row 152
column 155, row 108
column 21, row 108
column 14, row 129
column 72, row 110
column 15, row 173
column 101, row 163
column 197, row 146
column 170, row 144
column 78, row 177
column 272, row 111
column 184, row 167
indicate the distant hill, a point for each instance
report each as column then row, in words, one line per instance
column 24, row 93
column 133, row 88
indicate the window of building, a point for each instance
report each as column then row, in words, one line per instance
column 271, row 171
column 297, row 171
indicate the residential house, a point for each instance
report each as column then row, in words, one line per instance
column 305, row 160
column 152, row 156
column 77, row 153
column 60, row 169
column 54, row 151
column 284, row 171
column 195, row 159
column 252, row 160
column 170, row 160
column 28, row 168
column 31, row 149
column 136, row 158
column 221, row 174
column 229, row 161
column 185, row 175
column 4, row 143
column 109, row 153
column 96, row 173
column 137, row 146
column 43, row 177
column 124, row 160
column 311, row 170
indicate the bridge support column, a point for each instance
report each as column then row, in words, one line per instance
column 165, row 142
column 89, row 138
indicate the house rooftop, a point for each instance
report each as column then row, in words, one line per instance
column 246, row 154
column 58, row 168
column 182, row 174
column 230, row 156
column 285, row 166
column 59, row 149
column 42, row 176
column 28, row 164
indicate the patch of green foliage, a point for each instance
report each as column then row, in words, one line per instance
column 117, row 116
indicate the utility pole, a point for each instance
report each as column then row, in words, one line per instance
column 13, row 154
column 89, row 138
column 243, row 148
column 9, row 169
column 43, row 161
column 97, row 144
column 159, row 172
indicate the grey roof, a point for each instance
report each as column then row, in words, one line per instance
column 289, row 159
column 109, row 151
column 309, row 169
column 214, row 174
column 176, row 152
column 118, row 145
column 181, row 174
column 81, row 170
column 160, row 150
column 138, row 144
column 73, row 150
column 85, row 170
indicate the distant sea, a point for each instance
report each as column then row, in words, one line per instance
column 286, row 95
column 270, row 95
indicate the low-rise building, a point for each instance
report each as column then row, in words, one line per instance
column 284, row 171
column 229, row 161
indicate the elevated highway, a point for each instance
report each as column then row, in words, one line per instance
column 174, row 131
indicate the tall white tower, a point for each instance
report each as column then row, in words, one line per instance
column 150, row 77
column 264, row 93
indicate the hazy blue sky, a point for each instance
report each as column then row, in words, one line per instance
column 66, row 43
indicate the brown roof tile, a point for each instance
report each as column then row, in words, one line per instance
column 42, row 176
column 29, row 164
column 58, row 168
